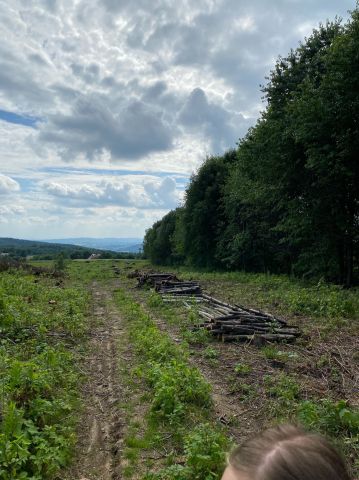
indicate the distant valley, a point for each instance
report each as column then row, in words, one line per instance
column 132, row 245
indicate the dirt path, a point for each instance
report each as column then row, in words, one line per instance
column 100, row 432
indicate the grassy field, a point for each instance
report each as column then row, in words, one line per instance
column 42, row 323
column 180, row 398
column 313, row 382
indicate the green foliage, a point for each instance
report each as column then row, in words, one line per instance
column 155, row 300
column 177, row 386
column 174, row 472
column 180, row 399
column 203, row 213
column 332, row 418
column 284, row 389
column 210, row 353
column 287, row 295
column 196, row 337
column 242, row 369
column 60, row 262
column 157, row 245
column 38, row 377
column 204, row 450
column 272, row 353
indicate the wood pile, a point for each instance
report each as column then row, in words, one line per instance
column 237, row 323
column 177, row 288
column 152, row 279
column 230, row 323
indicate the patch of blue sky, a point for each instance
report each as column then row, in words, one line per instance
column 116, row 172
column 18, row 119
column 26, row 184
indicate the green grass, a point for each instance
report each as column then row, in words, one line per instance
column 40, row 324
column 282, row 293
column 286, row 396
column 181, row 401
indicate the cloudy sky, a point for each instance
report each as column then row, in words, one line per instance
column 108, row 106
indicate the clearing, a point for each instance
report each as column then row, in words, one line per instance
column 313, row 380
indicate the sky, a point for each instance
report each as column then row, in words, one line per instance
column 107, row 107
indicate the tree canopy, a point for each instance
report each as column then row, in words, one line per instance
column 287, row 199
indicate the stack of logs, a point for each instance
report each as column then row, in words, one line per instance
column 228, row 322
column 167, row 283
column 238, row 323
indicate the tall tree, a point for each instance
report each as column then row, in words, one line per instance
column 203, row 212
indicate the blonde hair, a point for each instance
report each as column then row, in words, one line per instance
column 287, row 452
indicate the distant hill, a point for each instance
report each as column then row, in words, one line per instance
column 133, row 245
column 48, row 250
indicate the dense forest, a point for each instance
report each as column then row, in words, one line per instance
column 287, row 199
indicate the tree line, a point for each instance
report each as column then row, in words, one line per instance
column 286, row 200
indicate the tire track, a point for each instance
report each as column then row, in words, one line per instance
column 100, row 434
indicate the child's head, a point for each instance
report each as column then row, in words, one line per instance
column 286, row 453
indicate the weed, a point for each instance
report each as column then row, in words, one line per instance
column 284, row 391
column 210, row 353
column 155, row 300
column 180, row 396
column 246, row 391
column 196, row 337
column 270, row 352
column 333, row 418
column 38, row 375
column 204, row 449
column 242, row 369
column 176, row 386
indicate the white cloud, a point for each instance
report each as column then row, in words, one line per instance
column 151, row 87
column 12, row 210
column 142, row 194
column 8, row 185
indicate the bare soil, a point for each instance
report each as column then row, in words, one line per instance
column 101, row 428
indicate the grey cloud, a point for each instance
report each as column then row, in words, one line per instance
column 93, row 128
column 236, row 41
column 164, row 194
column 113, row 85
column 65, row 93
column 38, row 59
column 221, row 126
column 17, row 83
column 89, row 73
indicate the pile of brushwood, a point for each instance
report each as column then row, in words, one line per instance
column 230, row 323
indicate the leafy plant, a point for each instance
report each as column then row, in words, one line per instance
column 285, row 390
column 205, row 452
column 210, row 353
column 242, row 369
column 333, row 418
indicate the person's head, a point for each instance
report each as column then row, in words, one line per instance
column 286, row 453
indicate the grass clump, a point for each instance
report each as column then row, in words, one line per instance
column 204, row 456
column 242, row 369
column 177, row 386
column 332, row 418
